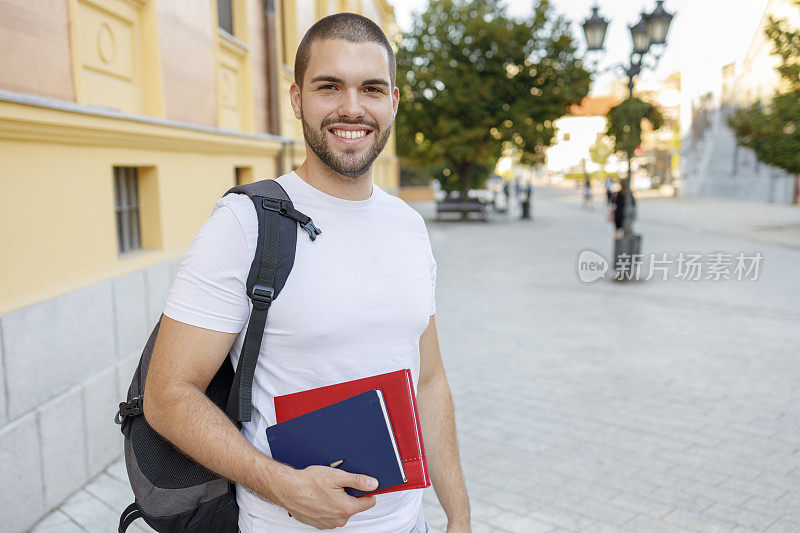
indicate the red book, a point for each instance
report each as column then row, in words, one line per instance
column 398, row 390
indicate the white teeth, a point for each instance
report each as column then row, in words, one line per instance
column 347, row 134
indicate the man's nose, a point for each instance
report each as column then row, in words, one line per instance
column 350, row 105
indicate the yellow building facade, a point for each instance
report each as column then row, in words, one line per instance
column 151, row 84
column 121, row 123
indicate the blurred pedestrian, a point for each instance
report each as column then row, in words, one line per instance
column 617, row 213
column 436, row 186
column 587, row 191
column 609, row 184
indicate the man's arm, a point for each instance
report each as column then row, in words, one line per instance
column 185, row 359
column 439, row 433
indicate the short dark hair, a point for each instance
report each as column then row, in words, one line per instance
column 350, row 27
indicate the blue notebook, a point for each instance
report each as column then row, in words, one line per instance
column 356, row 431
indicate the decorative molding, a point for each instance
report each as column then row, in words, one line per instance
column 126, row 10
column 227, row 88
column 232, row 101
column 106, row 43
column 233, row 71
column 106, row 50
column 135, row 4
column 232, row 44
column 27, row 122
column 105, row 33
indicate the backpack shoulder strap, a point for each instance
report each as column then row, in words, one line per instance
column 131, row 513
column 272, row 262
column 262, row 193
column 265, row 188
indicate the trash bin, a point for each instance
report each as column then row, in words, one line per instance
column 527, row 193
column 629, row 246
column 526, row 208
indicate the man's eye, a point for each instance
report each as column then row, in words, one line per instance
column 373, row 90
column 327, row 87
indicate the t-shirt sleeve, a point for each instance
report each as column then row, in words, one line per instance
column 433, row 286
column 432, row 268
column 209, row 290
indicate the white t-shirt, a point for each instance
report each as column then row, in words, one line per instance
column 355, row 305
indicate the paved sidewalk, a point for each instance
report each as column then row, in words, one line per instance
column 649, row 406
column 96, row 507
column 777, row 224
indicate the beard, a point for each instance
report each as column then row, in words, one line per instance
column 349, row 163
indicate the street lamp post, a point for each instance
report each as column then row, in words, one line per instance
column 594, row 28
column 648, row 35
column 649, row 32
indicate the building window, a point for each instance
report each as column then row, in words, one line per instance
column 243, row 175
column 225, row 15
column 126, row 194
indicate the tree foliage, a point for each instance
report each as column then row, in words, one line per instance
column 625, row 123
column 601, row 150
column 475, row 83
column 772, row 130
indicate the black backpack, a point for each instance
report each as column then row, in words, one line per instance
column 172, row 492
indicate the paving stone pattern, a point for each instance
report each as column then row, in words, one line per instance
column 603, row 407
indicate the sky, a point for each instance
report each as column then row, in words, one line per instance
column 704, row 35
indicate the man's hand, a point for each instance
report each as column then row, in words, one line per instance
column 316, row 496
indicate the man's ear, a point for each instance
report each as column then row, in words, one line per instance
column 395, row 99
column 294, row 98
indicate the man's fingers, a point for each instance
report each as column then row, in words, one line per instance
column 357, row 481
column 363, row 503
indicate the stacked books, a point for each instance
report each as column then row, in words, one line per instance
column 366, row 426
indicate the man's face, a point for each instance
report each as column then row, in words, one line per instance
column 347, row 104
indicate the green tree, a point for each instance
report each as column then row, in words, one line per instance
column 772, row 129
column 625, row 125
column 474, row 81
column 601, row 150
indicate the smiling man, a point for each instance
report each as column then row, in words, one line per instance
column 358, row 302
column 345, row 97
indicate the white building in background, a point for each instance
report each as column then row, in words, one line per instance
column 712, row 164
column 574, row 138
column 576, row 133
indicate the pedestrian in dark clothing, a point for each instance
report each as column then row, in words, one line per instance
column 618, row 211
column 525, row 196
column 587, row 192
